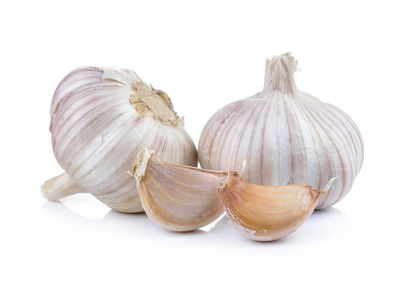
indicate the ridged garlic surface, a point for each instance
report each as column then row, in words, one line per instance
column 177, row 197
column 284, row 136
column 100, row 119
column 268, row 213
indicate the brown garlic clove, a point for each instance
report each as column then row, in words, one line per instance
column 268, row 213
column 177, row 197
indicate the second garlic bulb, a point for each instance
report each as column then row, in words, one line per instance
column 284, row 136
column 100, row 119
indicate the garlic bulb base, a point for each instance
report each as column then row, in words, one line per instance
column 59, row 187
column 154, row 103
column 130, row 204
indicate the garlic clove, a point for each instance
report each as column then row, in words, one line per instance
column 268, row 213
column 177, row 197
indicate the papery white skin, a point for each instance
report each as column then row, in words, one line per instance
column 286, row 136
column 97, row 133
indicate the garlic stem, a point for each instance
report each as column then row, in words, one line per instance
column 279, row 74
column 59, row 187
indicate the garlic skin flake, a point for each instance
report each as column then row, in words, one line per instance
column 268, row 213
column 177, row 197
column 100, row 119
column 285, row 136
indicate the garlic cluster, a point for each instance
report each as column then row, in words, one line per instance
column 105, row 119
column 100, row 119
column 285, row 136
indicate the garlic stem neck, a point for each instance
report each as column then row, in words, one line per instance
column 279, row 74
column 154, row 103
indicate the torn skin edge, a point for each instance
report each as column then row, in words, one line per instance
column 328, row 185
column 140, row 165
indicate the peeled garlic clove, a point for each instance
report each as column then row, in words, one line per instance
column 177, row 197
column 100, row 119
column 267, row 213
column 286, row 136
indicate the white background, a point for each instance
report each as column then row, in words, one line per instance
column 204, row 55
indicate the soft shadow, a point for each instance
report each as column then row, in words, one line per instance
column 140, row 220
column 225, row 230
column 127, row 223
column 328, row 211
column 326, row 223
column 328, row 215
column 323, row 224
column 56, row 209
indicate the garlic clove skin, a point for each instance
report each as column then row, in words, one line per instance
column 177, row 197
column 268, row 213
column 100, row 119
column 286, row 136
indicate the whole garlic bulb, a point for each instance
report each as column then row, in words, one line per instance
column 100, row 119
column 284, row 136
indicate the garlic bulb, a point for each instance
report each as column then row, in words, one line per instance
column 285, row 136
column 268, row 213
column 100, row 119
column 177, row 197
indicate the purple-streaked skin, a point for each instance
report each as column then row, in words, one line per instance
column 97, row 133
column 177, row 197
column 285, row 136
